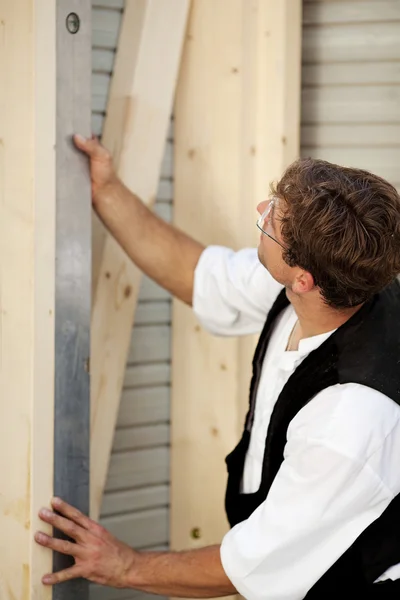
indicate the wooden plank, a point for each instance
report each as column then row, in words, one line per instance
column 357, row 135
column 349, row 73
column 144, row 405
column 132, row 500
column 27, row 288
column 147, row 375
column 352, row 104
column 138, row 468
column 142, row 111
column 140, row 529
column 147, row 436
column 351, row 11
column 366, row 42
column 248, row 125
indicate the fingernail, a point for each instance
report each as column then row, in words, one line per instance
column 56, row 501
column 80, row 138
column 39, row 537
column 45, row 512
column 46, row 579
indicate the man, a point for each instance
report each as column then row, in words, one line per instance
column 313, row 493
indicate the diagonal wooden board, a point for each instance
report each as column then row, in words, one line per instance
column 138, row 115
column 228, row 148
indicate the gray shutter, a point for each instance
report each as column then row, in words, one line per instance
column 351, row 84
column 136, row 501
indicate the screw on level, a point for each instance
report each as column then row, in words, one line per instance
column 195, row 533
column 73, row 23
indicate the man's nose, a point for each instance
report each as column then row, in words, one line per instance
column 262, row 206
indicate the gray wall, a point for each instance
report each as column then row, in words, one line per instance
column 351, row 84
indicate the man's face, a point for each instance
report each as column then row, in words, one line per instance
column 269, row 250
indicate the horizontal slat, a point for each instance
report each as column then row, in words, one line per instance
column 165, row 192
column 140, row 529
column 131, row 500
column 144, row 405
column 138, row 468
column 167, row 163
column 97, row 123
column 350, row 135
column 147, row 375
column 105, row 27
column 147, row 436
column 366, row 104
column 100, row 88
column 164, row 210
column 352, row 73
column 151, row 291
column 384, row 162
column 108, row 4
column 363, row 42
column 351, row 11
column 153, row 313
column 103, row 60
column 99, row 592
column 150, row 343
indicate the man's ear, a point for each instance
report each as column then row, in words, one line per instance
column 303, row 283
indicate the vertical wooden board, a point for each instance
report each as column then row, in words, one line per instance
column 236, row 129
column 73, row 271
column 207, row 205
column 27, row 254
column 146, row 115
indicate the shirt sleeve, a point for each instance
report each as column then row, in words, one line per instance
column 233, row 291
column 320, row 502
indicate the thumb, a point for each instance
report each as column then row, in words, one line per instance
column 90, row 146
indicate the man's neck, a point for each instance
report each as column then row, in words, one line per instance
column 316, row 317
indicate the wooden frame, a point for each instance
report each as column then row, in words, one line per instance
column 135, row 131
column 236, row 128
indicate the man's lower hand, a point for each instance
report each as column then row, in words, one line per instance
column 98, row 555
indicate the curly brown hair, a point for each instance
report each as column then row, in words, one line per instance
column 342, row 225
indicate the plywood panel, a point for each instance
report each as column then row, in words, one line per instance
column 133, row 500
column 363, row 42
column 144, row 405
column 136, row 469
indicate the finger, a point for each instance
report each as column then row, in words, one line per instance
column 62, row 546
column 72, row 513
column 71, row 529
column 91, row 146
column 66, row 575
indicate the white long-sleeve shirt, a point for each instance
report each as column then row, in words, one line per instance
column 340, row 468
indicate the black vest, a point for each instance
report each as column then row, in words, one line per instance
column 365, row 350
